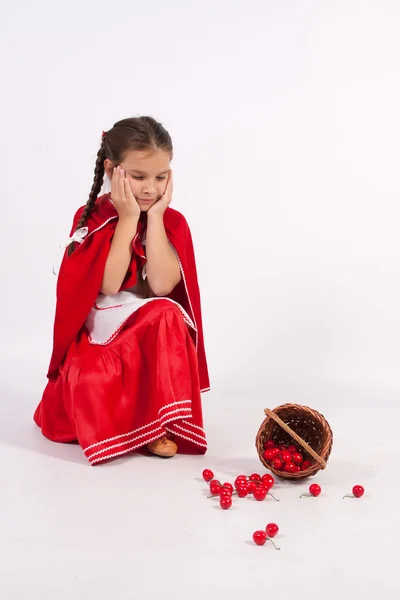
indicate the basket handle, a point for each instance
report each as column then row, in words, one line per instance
column 296, row 437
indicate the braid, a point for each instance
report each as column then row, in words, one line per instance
column 94, row 192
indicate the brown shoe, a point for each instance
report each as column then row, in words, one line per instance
column 163, row 447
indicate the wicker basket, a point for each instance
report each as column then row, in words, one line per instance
column 307, row 428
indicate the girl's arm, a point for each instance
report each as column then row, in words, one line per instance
column 162, row 267
column 120, row 255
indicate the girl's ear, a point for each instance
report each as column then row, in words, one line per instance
column 108, row 168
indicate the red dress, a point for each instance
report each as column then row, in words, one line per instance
column 146, row 380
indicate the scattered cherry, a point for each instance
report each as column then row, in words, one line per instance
column 272, row 529
column 242, row 491
column 260, row 493
column 225, row 502
column 358, row 491
column 228, row 486
column 225, row 492
column 260, row 537
column 267, row 478
column 314, row 489
column 215, row 487
column 240, row 480
column 208, row 475
column 251, row 486
column 255, row 477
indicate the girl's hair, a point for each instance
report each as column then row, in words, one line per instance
column 139, row 133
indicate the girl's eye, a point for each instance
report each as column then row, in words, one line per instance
column 139, row 178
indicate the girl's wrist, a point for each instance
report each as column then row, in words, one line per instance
column 154, row 217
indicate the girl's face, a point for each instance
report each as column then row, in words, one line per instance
column 147, row 172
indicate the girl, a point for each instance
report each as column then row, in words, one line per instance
column 128, row 361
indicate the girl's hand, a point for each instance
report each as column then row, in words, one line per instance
column 162, row 204
column 121, row 194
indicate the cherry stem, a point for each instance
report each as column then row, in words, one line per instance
column 219, row 495
column 348, row 496
column 276, row 499
column 306, row 496
column 273, row 543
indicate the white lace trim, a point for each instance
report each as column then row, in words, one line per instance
column 174, row 412
column 125, row 451
column 121, row 435
column 174, row 404
column 194, row 426
column 191, row 432
column 159, row 431
column 185, row 437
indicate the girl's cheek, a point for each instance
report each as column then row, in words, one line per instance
column 161, row 189
column 134, row 186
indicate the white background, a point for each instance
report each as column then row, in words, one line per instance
column 286, row 125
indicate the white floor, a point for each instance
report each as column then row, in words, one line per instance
column 142, row 528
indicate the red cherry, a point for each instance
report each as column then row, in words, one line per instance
column 305, row 465
column 251, row 486
column 260, row 493
column 315, row 490
column 297, row 458
column 292, row 448
column 225, row 492
column 269, row 454
column 225, row 502
column 228, row 486
column 260, row 537
column 208, row 475
column 269, row 444
column 298, row 468
column 242, row 491
column 277, row 464
column 282, row 447
column 290, row 467
column 240, row 480
column 267, row 478
column 255, row 477
column 215, row 487
column 358, row 491
column 272, row 529
column 286, row 456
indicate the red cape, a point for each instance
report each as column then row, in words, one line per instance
column 81, row 275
